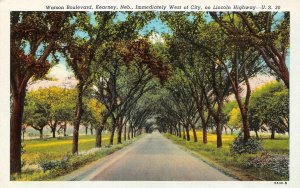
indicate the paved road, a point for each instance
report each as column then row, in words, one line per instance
column 152, row 158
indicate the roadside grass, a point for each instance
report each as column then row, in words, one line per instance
column 56, row 148
column 234, row 164
column 59, row 150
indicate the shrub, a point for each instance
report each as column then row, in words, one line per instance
column 46, row 164
column 279, row 164
column 238, row 146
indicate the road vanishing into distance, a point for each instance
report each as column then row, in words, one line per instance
column 152, row 158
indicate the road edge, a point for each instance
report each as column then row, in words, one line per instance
column 72, row 176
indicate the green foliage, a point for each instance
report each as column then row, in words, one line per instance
column 235, row 118
column 49, row 165
column 55, row 103
column 34, row 113
column 232, row 115
column 229, row 106
column 239, row 146
column 93, row 112
column 269, row 105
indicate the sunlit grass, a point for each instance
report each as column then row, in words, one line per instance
column 279, row 145
column 56, row 148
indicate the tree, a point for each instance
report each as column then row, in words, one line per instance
column 209, row 77
column 232, row 117
column 181, row 105
column 235, row 120
column 125, row 76
column 95, row 111
column 86, row 51
column 270, row 106
column 121, row 91
column 184, row 56
column 33, row 38
column 138, row 118
column 54, row 105
column 206, row 40
column 263, row 31
column 34, row 114
column 80, row 54
column 57, row 104
column 65, row 109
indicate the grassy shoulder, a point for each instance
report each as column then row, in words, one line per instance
column 57, row 148
column 234, row 165
column 54, row 155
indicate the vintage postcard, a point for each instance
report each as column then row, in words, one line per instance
column 149, row 93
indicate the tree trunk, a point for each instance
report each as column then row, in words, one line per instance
column 273, row 133
column 86, row 130
column 244, row 108
column 91, row 129
column 184, row 137
column 100, row 129
column 99, row 137
column 231, row 131
column 246, row 129
column 41, row 133
column 285, row 75
column 280, row 68
column 53, row 129
column 65, row 129
column 204, row 124
column 15, row 131
column 128, row 133
column 217, row 118
column 219, row 133
column 194, row 134
column 125, row 127
column 78, row 113
column 188, row 138
column 132, row 132
column 179, row 130
column 204, row 137
column 256, row 134
column 111, row 139
column 120, row 135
